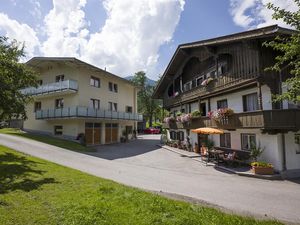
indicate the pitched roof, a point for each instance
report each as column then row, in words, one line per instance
column 39, row 61
column 179, row 54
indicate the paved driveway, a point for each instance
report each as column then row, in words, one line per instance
column 141, row 164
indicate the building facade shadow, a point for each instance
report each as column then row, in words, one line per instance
column 132, row 148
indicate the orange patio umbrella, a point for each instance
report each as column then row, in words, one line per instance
column 207, row 130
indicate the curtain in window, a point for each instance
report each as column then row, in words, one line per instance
column 251, row 102
column 245, row 141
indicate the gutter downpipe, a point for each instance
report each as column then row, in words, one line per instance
column 282, row 134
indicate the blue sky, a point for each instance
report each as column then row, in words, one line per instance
column 126, row 36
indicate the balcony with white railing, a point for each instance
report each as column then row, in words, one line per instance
column 85, row 112
column 66, row 86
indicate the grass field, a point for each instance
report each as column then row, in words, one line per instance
column 34, row 191
column 48, row 140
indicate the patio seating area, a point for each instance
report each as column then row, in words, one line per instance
column 220, row 161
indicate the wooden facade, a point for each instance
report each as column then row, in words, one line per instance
column 270, row 121
column 234, row 62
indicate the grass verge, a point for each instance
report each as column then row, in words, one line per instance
column 74, row 146
column 34, row 191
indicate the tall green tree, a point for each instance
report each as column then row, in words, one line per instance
column 13, row 77
column 289, row 47
column 146, row 105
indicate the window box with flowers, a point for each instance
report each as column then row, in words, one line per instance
column 220, row 115
column 262, row 168
column 169, row 120
column 185, row 118
column 207, row 81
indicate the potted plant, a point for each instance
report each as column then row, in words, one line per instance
column 196, row 114
column 262, row 168
column 256, row 151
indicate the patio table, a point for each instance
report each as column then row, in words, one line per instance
column 216, row 154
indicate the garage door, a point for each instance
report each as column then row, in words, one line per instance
column 93, row 133
column 111, row 133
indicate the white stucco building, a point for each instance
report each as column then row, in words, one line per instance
column 75, row 98
column 228, row 73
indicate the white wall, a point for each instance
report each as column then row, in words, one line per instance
column 291, row 148
column 235, row 100
column 266, row 97
column 194, row 106
column 271, row 144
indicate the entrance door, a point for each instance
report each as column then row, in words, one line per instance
column 111, row 133
column 93, row 133
column 202, row 138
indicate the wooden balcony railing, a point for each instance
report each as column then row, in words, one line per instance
column 283, row 119
column 215, row 86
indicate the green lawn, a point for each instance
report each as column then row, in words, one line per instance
column 48, row 140
column 34, row 191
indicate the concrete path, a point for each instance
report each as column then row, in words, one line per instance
column 141, row 164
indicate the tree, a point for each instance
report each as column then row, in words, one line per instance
column 290, row 49
column 13, row 77
column 146, row 105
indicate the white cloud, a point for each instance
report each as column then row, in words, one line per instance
column 129, row 41
column 133, row 32
column 21, row 32
column 254, row 13
column 65, row 29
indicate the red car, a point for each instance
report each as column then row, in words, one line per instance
column 152, row 130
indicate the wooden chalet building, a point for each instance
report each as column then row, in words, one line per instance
column 228, row 72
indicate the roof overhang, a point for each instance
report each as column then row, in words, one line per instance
column 40, row 62
column 181, row 51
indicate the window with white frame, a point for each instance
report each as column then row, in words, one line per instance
column 225, row 140
column 250, row 102
column 173, row 135
column 187, row 86
column 248, row 141
column 222, row 104
column 112, row 106
column 59, row 103
column 128, row 109
column 95, row 103
column 180, row 136
column 58, row 130
column 59, row 78
column 199, row 80
column 37, row 106
column 95, row 82
column 112, row 87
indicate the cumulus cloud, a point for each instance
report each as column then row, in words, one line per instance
column 129, row 40
column 65, row 28
column 254, row 13
column 21, row 32
column 133, row 32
